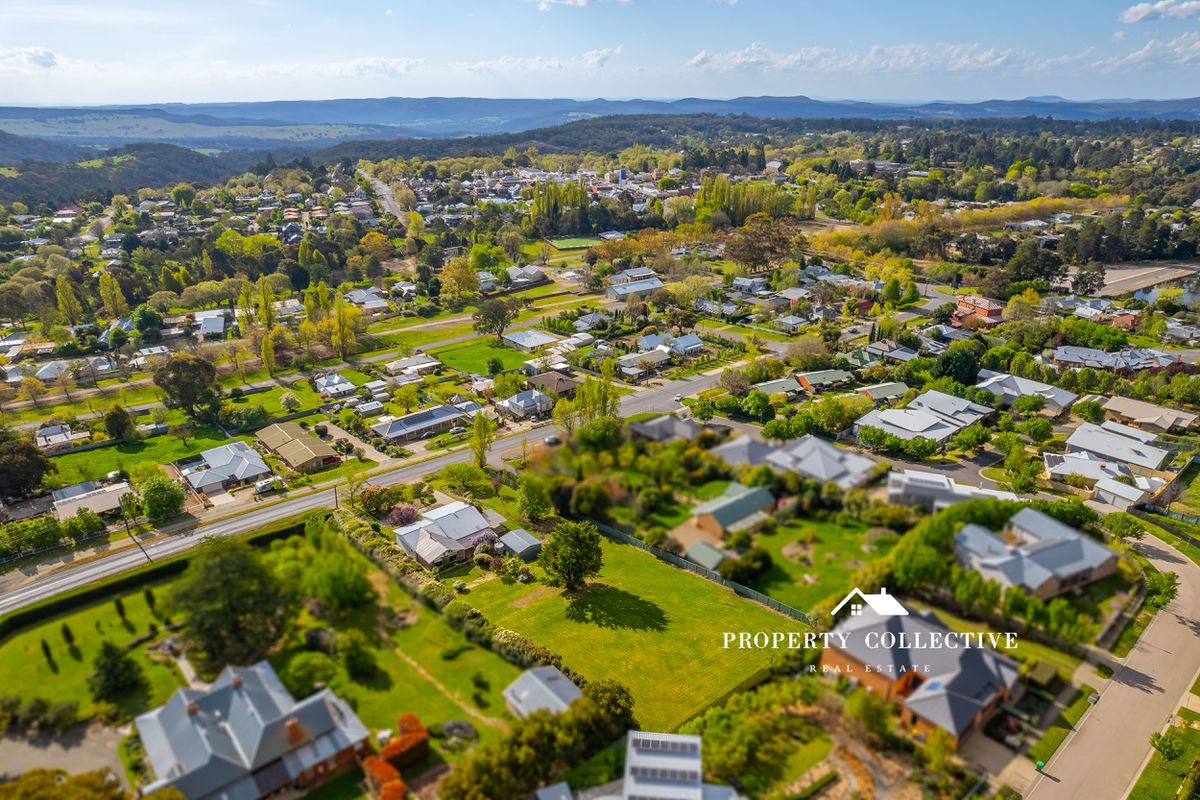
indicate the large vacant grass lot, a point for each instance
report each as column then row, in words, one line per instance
column 24, row 670
column 93, row 464
column 649, row 625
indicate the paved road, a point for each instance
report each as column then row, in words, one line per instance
column 43, row 584
column 1122, row 278
column 1102, row 759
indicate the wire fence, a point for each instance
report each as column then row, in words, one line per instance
column 715, row 577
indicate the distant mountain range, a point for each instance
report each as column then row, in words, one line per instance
column 316, row 123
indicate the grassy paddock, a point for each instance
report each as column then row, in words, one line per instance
column 93, row 464
column 645, row 624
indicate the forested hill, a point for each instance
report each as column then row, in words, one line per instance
column 122, row 170
column 56, row 177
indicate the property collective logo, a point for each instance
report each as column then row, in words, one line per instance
column 866, row 627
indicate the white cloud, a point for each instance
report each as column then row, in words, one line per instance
column 912, row 58
column 25, row 59
column 546, row 5
column 387, row 12
column 1162, row 9
column 590, row 62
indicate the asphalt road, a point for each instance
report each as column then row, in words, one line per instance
column 1105, row 754
column 63, row 579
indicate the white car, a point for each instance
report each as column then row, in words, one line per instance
column 678, row 398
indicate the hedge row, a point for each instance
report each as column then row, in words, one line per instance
column 103, row 589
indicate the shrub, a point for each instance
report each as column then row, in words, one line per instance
column 305, row 671
column 409, row 745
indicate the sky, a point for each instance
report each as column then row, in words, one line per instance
column 59, row 52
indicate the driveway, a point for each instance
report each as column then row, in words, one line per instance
column 1103, row 757
column 82, row 749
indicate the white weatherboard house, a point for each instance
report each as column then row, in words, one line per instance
column 667, row 766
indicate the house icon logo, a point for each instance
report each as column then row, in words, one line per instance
column 883, row 604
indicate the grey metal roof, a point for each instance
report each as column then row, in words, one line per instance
column 236, row 461
column 823, row 461
column 736, row 505
column 1037, row 549
column 959, row 681
column 1114, row 445
column 667, row 428
column 1010, row 387
column 541, row 688
column 416, row 422
column 520, row 541
column 209, row 744
column 743, row 450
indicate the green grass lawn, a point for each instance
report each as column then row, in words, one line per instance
column 93, row 464
column 643, row 623
column 1161, row 779
column 1026, row 651
column 424, row 667
column 25, row 671
column 832, row 554
column 1063, row 724
column 1187, row 548
column 1188, row 501
column 474, row 356
column 575, row 242
column 96, row 403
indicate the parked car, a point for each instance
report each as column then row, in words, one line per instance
column 457, row 429
column 552, row 440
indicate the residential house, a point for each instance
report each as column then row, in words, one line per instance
column 750, row 285
column 822, row 379
column 51, row 371
column 933, row 415
column 789, row 387
column 528, row 404
column 823, row 461
column 372, row 301
column 522, row 277
column 333, row 385
column 595, row 319
column 543, row 688
column 555, row 384
column 413, row 366
column 1087, row 466
column 935, row 491
column 1035, row 552
column 640, row 289
column 1149, row 416
column 520, row 543
column 418, row 425
column 224, row 467
column 1133, row 359
column 633, row 275
column 1008, row 388
column 789, row 323
column 667, row 766
column 246, row 737
column 53, row 438
column 975, row 310
column 1114, row 493
column 743, row 451
column 738, row 508
column 211, row 328
column 634, row 366
column 794, row 294
column 370, row 408
column 1120, row 443
column 712, row 308
column 667, row 428
column 883, row 392
column 953, row 689
column 297, row 448
column 95, row 497
column 447, row 534
column 529, row 341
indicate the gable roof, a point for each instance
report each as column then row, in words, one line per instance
column 667, row 428
column 1111, row 441
column 959, row 683
column 233, row 740
column 1010, row 387
column 823, row 461
column 738, row 507
column 236, row 461
column 541, row 688
column 1144, row 413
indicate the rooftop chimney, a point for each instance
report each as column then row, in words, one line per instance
column 236, row 682
column 192, row 708
column 295, row 734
